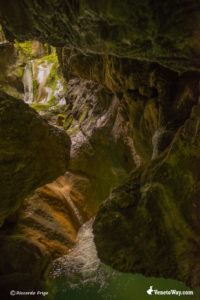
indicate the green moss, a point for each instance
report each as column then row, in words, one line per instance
column 60, row 119
column 73, row 130
column 4, row 88
column 53, row 77
column 21, row 72
column 35, row 88
column 52, row 100
column 40, row 106
column 24, row 48
column 51, row 58
column 83, row 115
column 46, row 49
column 68, row 122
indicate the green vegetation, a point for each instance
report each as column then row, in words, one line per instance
column 68, row 122
column 24, row 48
column 83, row 115
column 21, row 72
column 40, row 106
column 46, row 46
column 51, row 58
column 73, row 130
column 60, row 119
column 52, row 100
column 35, row 88
column 53, row 77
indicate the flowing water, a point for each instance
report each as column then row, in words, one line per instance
column 155, row 141
column 44, row 93
column 39, row 73
column 75, row 210
column 80, row 275
column 27, row 80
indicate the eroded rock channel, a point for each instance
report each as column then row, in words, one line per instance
column 99, row 116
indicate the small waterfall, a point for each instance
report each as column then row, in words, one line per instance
column 62, row 189
column 62, row 101
column 27, row 80
column 155, row 141
column 75, row 210
column 58, row 93
column 82, row 262
column 36, row 76
column 44, row 93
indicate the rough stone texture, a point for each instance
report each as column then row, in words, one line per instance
column 11, row 67
column 45, row 228
column 167, row 32
column 32, row 153
column 102, row 151
column 150, row 224
column 151, row 97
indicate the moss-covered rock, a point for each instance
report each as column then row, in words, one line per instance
column 150, row 224
column 11, row 70
column 32, row 152
column 13, row 60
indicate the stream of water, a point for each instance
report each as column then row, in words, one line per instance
column 80, row 275
column 27, row 80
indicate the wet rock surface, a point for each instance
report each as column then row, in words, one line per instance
column 45, row 228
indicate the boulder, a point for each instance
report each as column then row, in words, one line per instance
column 32, row 153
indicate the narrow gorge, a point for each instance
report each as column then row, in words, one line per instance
column 99, row 148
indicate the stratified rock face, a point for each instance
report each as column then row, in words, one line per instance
column 167, row 32
column 45, row 228
column 102, row 151
column 32, row 153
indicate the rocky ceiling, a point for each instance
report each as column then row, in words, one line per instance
column 162, row 31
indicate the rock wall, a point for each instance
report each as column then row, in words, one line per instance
column 150, row 223
column 102, row 151
column 32, row 152
column 13, row 60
